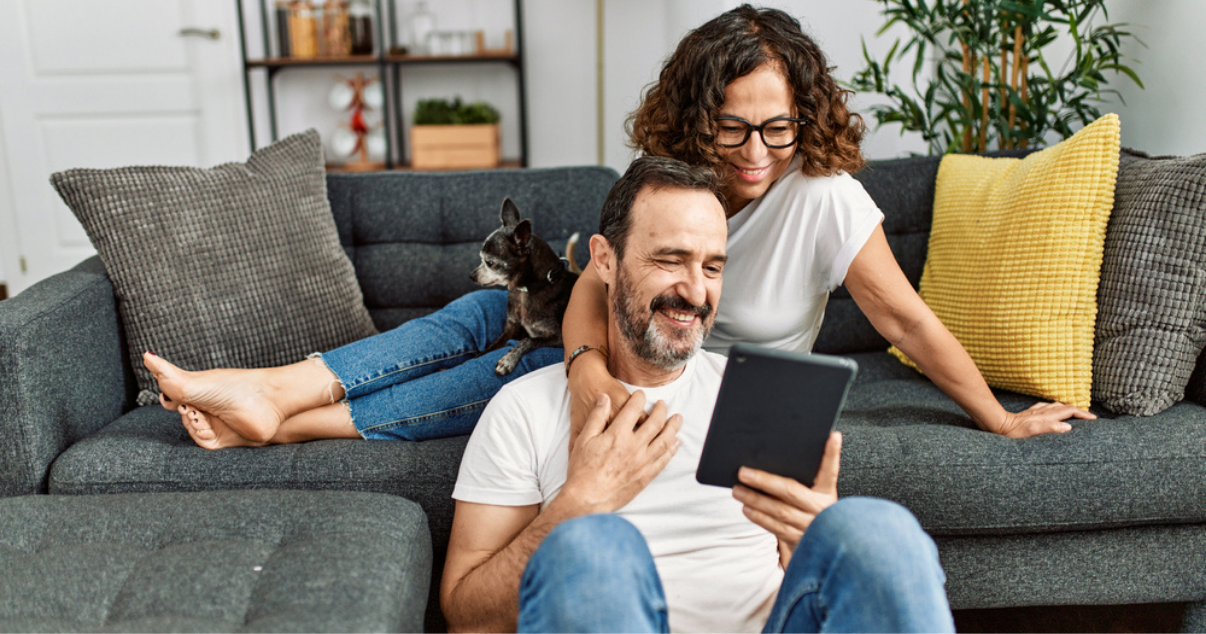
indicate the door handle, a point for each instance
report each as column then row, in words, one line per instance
column 211, row 34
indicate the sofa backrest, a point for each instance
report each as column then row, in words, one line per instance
column 904, row 190
column 413, row 237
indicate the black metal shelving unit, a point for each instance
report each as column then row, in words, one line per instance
column 388, row 66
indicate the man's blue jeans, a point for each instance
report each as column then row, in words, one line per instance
column 423, row 379
column 864, row 565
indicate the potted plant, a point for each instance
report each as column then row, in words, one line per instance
column 995, row 80
column 454, row 135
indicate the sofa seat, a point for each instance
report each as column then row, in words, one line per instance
column 227, row 561
column 908, row 442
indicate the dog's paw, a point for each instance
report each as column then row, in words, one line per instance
column 506, row 364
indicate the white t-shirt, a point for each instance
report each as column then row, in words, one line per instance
column 719, row 570
column 787, row 251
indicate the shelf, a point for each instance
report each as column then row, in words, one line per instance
column 392, row 67
column 440, row 59
column 278, row 62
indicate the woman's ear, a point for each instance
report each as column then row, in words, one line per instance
column 604, row 258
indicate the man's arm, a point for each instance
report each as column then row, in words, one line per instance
column 489, row 548
column 490, row 545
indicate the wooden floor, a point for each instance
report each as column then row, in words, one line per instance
column 1155, row 617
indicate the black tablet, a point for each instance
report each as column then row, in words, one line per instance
column 774, row 412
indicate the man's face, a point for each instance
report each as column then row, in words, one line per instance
column 667, row 286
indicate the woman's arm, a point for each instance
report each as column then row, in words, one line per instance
column 888, row 300
column 585, row 324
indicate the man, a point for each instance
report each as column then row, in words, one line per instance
column 617, row 535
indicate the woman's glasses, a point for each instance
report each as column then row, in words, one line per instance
column 779, row 132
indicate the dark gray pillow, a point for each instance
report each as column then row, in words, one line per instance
column 234, row 266
column 1151, row 303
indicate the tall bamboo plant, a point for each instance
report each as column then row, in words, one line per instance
column 993, row 81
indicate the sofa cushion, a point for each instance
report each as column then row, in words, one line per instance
column 414, row 237
column 904, row 190
column 1151, row 319
column 234, row 266
column 226, row 562
column 1015, row 256
column 906, row 441
column 148, row 450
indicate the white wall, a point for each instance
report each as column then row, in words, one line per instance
column 564, row 104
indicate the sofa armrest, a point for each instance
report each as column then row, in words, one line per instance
column 62, row 371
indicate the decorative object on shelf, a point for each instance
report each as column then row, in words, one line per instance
column 995, row 78
column 454, row 135
column 420, row 30
column 356, row 137
column 508, row 44
column 360, row 27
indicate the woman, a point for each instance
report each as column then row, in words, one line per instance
column 747, row 93
column 750, row 94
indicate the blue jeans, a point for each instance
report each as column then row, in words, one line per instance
column 423, row 379
column 864, row 565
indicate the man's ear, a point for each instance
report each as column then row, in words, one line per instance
column 604, row 258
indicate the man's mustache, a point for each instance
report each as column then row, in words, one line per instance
column 674, row 301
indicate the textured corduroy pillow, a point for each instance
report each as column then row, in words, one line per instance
column 1151, row 313
column 238, row 265
column 1015, row 257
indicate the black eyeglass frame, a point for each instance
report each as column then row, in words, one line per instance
column 749, row 129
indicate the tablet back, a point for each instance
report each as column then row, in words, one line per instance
column 774, row 412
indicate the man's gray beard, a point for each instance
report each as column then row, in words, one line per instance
column 645, row 339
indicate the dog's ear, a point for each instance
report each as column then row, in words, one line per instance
column 523, row 233
column 509, row 214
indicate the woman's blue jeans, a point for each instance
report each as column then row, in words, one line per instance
column 864, row 565
column 424, row 379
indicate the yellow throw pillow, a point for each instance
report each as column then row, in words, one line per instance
column 1015, row 258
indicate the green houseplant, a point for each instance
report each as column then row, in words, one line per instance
column 995, row 80
column 454, row 135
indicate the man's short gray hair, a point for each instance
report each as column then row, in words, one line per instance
column 653, row 171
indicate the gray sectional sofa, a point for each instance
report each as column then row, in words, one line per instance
column 1113, row 512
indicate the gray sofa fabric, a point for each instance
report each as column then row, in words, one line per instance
column 230, row 561
column 62, row 371
column 1121, row 499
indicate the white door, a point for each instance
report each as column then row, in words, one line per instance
column 106, row 84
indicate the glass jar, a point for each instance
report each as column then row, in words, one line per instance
column 420, row 27
column 336, row 35
column 303, row 30
column 360, row 27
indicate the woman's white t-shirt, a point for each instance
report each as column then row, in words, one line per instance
column 787, row 251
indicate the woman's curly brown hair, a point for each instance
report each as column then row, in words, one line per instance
column 676, row 115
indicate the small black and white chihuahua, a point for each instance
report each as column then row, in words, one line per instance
column 538, row 285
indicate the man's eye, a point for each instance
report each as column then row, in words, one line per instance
column 732, row 129
column 777, row 129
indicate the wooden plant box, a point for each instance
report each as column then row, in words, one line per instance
column 450, row 147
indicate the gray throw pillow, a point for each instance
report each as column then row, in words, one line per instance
column 1151, row 304
column 235, row 266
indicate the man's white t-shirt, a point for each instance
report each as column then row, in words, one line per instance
column 720, row 571
column 787, row 251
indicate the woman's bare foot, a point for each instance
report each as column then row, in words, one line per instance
column 240, row 399
column 209, row 432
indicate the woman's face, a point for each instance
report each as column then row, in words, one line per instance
column 757, row 97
